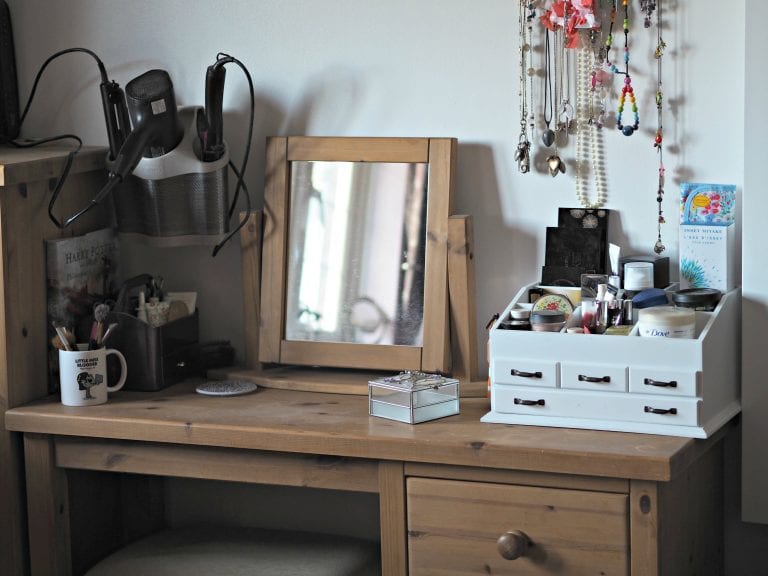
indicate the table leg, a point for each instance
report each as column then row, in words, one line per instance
column 394, row 557
column 47, row 509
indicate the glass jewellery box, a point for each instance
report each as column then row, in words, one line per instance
column 413, row 397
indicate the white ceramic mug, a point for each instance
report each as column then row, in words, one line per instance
column 83, row 375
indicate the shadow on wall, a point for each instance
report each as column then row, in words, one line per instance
column 329, row 104
column 219, row 288
column 477, row 193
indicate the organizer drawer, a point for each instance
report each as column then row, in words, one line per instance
column 524, row 372
column 595, row 377
column 454, row 528
column 595, row 405
column 643, row 380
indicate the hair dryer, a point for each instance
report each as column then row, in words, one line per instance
column 156, row 126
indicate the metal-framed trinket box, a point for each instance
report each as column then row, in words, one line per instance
column 413, row 397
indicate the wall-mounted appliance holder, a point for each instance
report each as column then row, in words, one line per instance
column 176, row 199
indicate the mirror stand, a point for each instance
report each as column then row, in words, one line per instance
column 461, row 311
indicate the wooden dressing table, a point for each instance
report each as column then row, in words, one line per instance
column 588, row 502
column 560, row 501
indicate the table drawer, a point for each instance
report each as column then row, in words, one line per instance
column 454, row 527
column 595, row 405
column 596, row 377
column 643, row 380
column 524, row 372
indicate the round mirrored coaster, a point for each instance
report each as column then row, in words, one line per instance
column 226, row 388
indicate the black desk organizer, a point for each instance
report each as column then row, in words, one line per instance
column 157, row 357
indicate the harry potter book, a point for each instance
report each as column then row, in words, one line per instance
column 80, row 272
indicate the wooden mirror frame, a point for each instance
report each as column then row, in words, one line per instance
column 434, row 354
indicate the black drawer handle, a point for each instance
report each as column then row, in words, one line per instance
column 660, row 383
column 522, row 374
column 652, row 410
column 529, row 402
column 596, row 379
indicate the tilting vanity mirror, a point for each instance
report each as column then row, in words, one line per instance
column 351, row 266
column 355, row 253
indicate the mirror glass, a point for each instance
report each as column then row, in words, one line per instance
column 357, row 235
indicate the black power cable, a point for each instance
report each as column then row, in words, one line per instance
column 71, row 155
column 221, row 60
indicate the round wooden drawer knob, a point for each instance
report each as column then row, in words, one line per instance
column 513, row 544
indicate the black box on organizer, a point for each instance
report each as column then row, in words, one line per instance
column 157, row 357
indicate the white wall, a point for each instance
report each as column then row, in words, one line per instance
column 391, row 68
column 755, row 301
column 409, row 68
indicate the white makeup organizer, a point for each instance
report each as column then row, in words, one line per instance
column 675, row 387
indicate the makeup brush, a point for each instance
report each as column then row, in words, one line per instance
column 108, row 332
column 100, row 313
column 61, row 341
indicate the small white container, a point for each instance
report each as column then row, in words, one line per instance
column 638, row 276
column 666, row 322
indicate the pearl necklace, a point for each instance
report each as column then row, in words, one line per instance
column 589, row 143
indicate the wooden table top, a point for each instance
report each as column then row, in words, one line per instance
column 336, row 424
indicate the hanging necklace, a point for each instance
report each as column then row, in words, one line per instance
column 531, row 71
column 523, row 152
column 548, row 136
column 589, row 146
column 657, row 142
column 597, row 87
column 554, row 162
column 647, row 7
column 565, row 116
column 627, row 91
column 609, row 42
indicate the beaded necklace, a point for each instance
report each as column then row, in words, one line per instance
column 627, row 91
column 657, row 142
column 527, row 118
column 597, row 89
column 647, row 7
column 609, row 42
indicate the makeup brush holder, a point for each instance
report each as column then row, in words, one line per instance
column 176, row 199
column 157, row 356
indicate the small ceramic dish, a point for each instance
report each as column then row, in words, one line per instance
column 519, row 313
column 697, row 298
column 547, row 320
